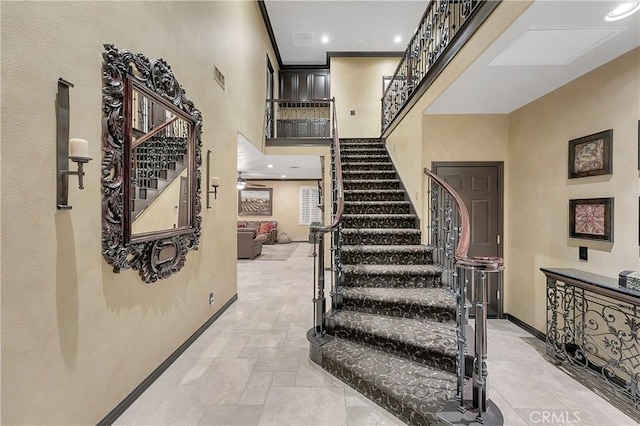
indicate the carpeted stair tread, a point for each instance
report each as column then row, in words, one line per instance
column 377, row 207
column 387, row 254
column 373, row 194
column 416, row 303
column 406, row 221
column 429, row 342
column 387, row 249
column 376, row 203
column 417, row 270
column 392, row 275
column 387, row 166
column 410, row 390
column 364, row 158
column 380, row 236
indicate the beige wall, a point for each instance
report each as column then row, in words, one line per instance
column 77, row 338
column 406, row 142
column 356, row 83
column 286, row 207
column 538, row 206
column 163, row 211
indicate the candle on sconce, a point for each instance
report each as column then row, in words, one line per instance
column 78, row 148
column 215, row 181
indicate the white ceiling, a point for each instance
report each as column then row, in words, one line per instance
column 351, row 26
column 253, row 164
column 549, row 45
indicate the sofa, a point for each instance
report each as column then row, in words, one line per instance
column 249, row 244
column 269, row 228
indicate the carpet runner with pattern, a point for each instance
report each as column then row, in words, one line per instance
column 395, row 332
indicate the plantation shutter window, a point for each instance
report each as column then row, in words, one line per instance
column 309, row 211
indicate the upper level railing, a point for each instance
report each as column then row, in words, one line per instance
column 444, row 28
column 300, row 118
column 450, row 231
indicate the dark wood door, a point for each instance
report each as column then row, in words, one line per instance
column 480, row 186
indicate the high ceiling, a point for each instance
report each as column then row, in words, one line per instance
column 552, row 43
column 350, row 26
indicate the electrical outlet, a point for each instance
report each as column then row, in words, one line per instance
column 212, row 300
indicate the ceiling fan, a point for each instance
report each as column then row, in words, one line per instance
column 241, row 183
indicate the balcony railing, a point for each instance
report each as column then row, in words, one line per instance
column 299, row 118
column 592, row 330
column 444, row 28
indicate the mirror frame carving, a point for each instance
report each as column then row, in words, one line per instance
column 145, row 256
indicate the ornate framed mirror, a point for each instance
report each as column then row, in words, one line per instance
column 151, row 209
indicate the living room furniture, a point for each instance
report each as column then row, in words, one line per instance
column 267, row 227
column 249, row 244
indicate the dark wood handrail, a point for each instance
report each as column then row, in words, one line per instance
column 465, row 224
column 152, row 133
column 339, row 183
column 483, row 263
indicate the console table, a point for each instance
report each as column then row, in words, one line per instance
column 593, row 325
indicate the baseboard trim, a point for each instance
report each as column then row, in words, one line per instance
column 113, row 415
column 526, row 327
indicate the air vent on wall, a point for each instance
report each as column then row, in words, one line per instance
column 303, row 39
column 218, row 76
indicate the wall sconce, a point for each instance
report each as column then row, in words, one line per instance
column 76, row 150
column 214, row 182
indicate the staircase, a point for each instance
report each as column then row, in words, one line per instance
column 395, row 326
column 157, row 163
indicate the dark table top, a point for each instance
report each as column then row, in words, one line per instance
column 593, row 279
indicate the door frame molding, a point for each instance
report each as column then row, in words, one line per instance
column 500, row 166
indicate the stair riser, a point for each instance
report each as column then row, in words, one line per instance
column 374, row 196
column 348, row 145
column 387, row 280
column 382, row 258
column 370, row 184
column 369, row 175
column 371, row 391
column 366, row 166
column 427, row 356
column 376, row 208
column 390, row 222
column 360, row 151
column 364, row 158
column 399, row 310
column 380, row 239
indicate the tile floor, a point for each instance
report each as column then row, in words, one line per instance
column 251, row 367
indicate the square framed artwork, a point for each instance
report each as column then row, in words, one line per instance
column 255, row 202
column 591, row 155
column 591, row 219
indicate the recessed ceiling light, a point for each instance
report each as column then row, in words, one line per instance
column 283, row 176
column 270, row 166
column 398, row 39
column 623, row 10
column 324, row 39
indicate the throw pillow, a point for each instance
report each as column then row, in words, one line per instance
column 265, row 227
column 284, row 238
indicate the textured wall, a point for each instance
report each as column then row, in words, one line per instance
column 538, row 206
column 356, row 83
column 77, row 338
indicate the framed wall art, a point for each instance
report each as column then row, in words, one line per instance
column 591, row 155
column 255, row 202
column 591, row 219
